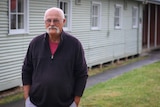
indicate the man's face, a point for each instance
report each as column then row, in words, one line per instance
column 54, row 22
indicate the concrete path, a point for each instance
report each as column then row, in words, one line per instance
column 154, row 56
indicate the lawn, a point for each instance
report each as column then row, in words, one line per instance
column 138, row 88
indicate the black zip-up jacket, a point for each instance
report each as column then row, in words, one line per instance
column 55, row 79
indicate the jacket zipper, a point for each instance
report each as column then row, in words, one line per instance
column 52, row 56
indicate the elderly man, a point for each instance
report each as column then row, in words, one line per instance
column 54, row 72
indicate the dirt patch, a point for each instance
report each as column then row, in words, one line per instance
column 11, row 91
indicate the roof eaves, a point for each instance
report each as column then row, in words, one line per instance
column 150, row 1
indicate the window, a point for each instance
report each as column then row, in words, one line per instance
column 96, row 16
column 135, row 17
column 17, row 16
column 77, row 1
column 65, row 5
column 118, row 17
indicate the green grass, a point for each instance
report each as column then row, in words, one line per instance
column 11, row 98
column 138, row 88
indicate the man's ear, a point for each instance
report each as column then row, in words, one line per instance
column 64, row 21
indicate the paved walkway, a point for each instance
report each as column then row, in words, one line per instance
column 154, row 56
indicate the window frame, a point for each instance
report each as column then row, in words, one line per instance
column 135, row 25
column 98, row 27
column 120, row 7
column 25, row 19
column 69, row 19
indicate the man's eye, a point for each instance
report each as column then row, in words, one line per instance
column 48, row 20
column 55, row 21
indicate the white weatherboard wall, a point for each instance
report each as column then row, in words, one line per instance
column 13, row 47
column 95, row 42
column 106, row 44
column 11, row 52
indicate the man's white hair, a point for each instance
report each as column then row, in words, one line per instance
column 54, row 8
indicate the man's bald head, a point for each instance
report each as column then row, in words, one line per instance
column 54, row 9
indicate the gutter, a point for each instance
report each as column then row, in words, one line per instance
column 150, row 1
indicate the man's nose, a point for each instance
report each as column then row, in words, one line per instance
column 52, row 22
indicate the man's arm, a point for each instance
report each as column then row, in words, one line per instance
column 26, row 89
column 27, row 70
column 81, row 74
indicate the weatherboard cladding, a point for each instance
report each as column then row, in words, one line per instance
column 106, row 44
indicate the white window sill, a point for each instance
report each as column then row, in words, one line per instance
column 18, row 33
column 134, row 27
column 95, row 28
column 117, row 27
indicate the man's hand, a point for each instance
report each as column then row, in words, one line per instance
column 26, row 89
column 77, row 100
